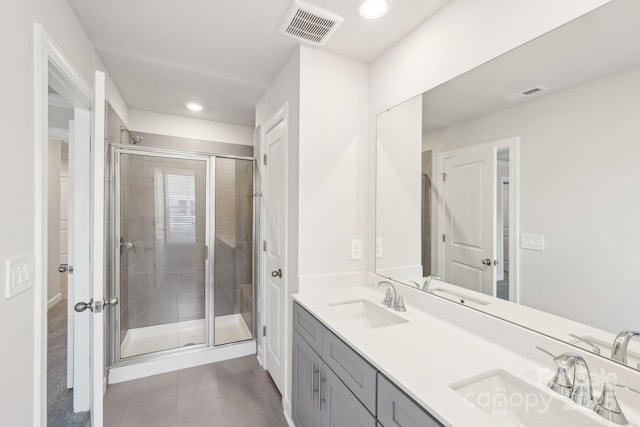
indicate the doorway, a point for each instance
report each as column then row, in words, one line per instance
column 55, row 77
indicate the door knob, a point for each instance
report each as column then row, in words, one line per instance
column 276, row 273
column 82, row 306
column 486, row 261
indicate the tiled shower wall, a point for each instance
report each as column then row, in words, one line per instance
column 234, row 237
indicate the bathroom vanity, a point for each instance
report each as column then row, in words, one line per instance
column 357, row 362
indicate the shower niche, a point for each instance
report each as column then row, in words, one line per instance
column 183, row 254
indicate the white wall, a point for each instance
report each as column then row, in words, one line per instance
column 188, row 127
column 578, row 180
column 334, row 96
column 398, row 189
column 460, row 36
column 17, row 179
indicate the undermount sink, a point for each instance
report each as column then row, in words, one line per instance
column 369, row 314
column 459, row 298
column 513, row 402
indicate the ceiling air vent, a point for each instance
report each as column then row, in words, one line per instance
column 309, row 23
column 525, row 93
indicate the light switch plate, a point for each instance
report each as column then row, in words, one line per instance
column 532, row 241
column 356, row 249
column 20, row 275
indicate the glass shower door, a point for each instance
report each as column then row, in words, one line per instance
column 162, row 211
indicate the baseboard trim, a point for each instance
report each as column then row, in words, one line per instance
column 53, row 301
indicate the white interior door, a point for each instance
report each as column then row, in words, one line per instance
column 275, row 238
column 470, row 218
column 79, row 254
column 70, row 255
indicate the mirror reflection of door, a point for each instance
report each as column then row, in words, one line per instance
column 468, row 185
column 475, row 218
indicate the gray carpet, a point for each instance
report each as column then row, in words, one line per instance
column 59, row 398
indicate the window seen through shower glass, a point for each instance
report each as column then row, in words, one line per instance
column 163, row 253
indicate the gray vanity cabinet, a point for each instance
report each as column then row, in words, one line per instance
column 306, row 365
column 340, row 407
column 333, row 386
column 396, row 409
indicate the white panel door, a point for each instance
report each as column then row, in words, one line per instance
column 470, row 218
column 275, row 237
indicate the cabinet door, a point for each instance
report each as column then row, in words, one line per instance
column 340, row 408
column 305, row 402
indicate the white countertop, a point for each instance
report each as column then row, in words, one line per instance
column 425, row 355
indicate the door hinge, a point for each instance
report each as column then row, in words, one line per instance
column 444, row 238
column 264, row 331
column 264, row 246
column 206, row 251
column 444, row 177
column 264, row 159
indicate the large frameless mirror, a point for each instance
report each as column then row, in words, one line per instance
column 511, row 189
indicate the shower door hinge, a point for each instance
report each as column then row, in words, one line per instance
column 264, row 331
column 206, row 251
column 444, row 238
column 264, row 246
column 264, row 159
column 444, row 177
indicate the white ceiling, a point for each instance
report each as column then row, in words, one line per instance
column 221, row 53
column 599, row 44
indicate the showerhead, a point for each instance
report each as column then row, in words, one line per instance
column 137, row 139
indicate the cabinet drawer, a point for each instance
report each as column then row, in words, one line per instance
column 351, row 368
column 396, row 409
column 308, row 327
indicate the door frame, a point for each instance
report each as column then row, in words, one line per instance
column 80, row 93
column 513, row 144
column 280, row 116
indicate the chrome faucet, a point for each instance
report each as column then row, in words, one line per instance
column 427, row 283
column 391, row 298
column 620, row 344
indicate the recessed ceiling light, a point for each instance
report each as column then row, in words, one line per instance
column 194, row 107
column 374, row 9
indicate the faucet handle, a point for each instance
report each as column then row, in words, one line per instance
column 607, row 405
column 400, row 305
column 560, row 383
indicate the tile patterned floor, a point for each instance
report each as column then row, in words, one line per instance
column 233, row 393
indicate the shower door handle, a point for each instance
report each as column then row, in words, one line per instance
column 276, row 273
column 112, row 302
column 82, row 306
